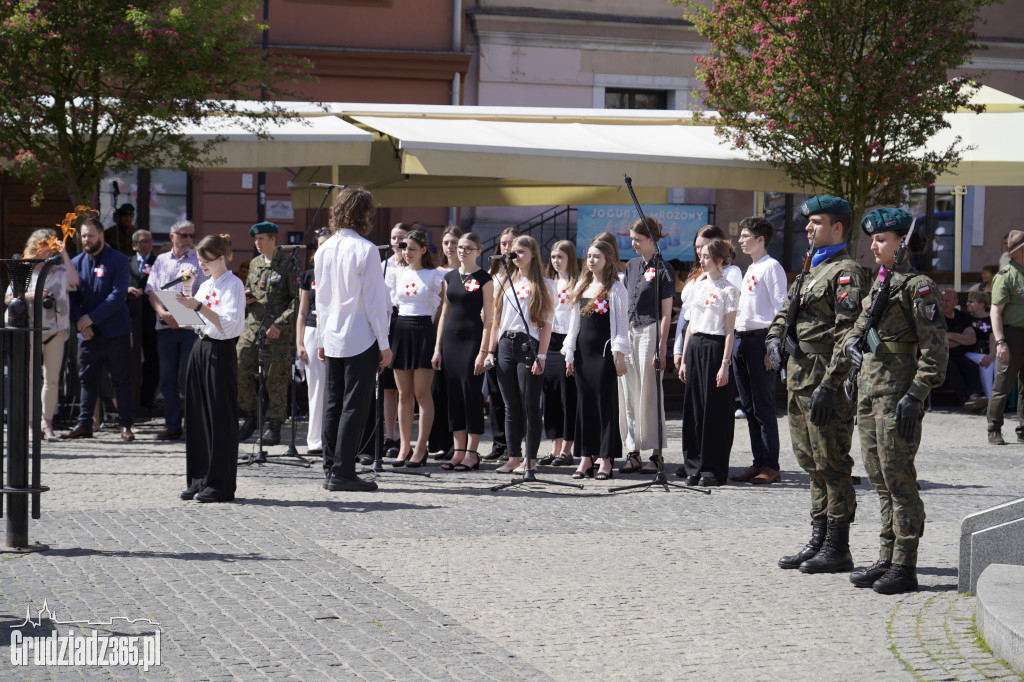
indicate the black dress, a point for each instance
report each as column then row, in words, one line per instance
column 597, row 385
column 463, row 332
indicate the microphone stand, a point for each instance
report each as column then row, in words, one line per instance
column 529, row 348
column 377, row 467
column 659, row 476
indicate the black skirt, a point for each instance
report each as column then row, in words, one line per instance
column 413, row 345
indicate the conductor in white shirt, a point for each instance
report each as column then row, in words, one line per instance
column 353, row 305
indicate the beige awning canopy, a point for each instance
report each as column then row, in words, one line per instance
column 435, row 155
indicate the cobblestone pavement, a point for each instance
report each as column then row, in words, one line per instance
column 438, row 578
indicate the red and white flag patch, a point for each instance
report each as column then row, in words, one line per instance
column 844, row 279
column 924, row 290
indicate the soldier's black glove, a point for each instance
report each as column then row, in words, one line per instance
column 854, row 353
column 773, row 346
column 822, row 406
column 908, row 412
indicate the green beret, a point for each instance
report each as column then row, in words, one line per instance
column 824, row 203
column 266, row 227
column 887, row 220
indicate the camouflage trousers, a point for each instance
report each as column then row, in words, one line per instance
column 277, row 363
column 824, row 453
column 889, row 460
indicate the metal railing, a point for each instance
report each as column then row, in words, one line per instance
column 547, row 227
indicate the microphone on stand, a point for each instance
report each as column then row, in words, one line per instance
column 326, row 184
column 288, row 248
column 500, row 256
column 383, row 247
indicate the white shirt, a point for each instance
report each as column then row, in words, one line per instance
column 352, row 300
column 710, row 301
column 563, row 308
column 418, row 292
column 735, row 277
column 510, row 320
column 226, row 297
column 618, row 308
column 762, row 294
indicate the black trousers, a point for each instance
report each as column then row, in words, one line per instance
column 708, row 419
column 559, row 394
column 756, row 386
column 348, row 401
column 517, row 380
column 116, row 355
column 963, row 377
column 211, row 417
column 497, row 409
column 440, row 435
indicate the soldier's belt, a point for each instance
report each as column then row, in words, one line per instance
column 816, row 348
column 893, row 348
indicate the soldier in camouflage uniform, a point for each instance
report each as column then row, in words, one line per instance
column 270, row 290
column 908, row 362
column 820, row 415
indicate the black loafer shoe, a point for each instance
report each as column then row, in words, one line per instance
column 353, row 484
column 365, row 460
column 213, row 497
column 709, row 482
column 315, row 451
column 186, row 494
column 692, row 480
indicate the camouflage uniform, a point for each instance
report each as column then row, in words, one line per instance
column 911, row 321
column 273, row 286
column 831, row 302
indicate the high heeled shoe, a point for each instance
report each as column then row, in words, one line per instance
column 448, row 466
column 461, row 466
column 413, row 464
column 399, row 463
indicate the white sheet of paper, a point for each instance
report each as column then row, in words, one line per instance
column 182, row 315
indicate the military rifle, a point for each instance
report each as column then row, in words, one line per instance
column 789, row 342
column 870, row 339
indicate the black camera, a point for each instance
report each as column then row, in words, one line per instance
column 49, row 301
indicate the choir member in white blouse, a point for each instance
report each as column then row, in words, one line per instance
column 211, row 378
column 560, row 388
column 708, row 420
column 417, row 296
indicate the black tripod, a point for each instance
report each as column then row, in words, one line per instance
column 659, row 476
column 528, row 347
column 377, row 467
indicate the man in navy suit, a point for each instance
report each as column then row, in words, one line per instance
column 99, row 311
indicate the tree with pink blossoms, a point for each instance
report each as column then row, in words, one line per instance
column 90, row 85
column 841, row 94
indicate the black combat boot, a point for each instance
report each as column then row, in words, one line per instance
column 834, row 556
column 272, row 436
column 866, row 577
column 248, row 426
column 810, row 549
column 899, row 578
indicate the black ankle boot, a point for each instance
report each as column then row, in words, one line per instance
column 272, row 435
column 248, row 426
column 866, row 577
column 818, row 527
column 899, row 578
column 834, row 556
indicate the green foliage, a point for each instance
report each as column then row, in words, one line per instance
column 841, row 94
column 87, row 85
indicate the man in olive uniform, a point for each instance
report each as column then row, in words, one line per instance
column 1008, row 335
column 820, row 415
column 902, row 357
column 269, row 291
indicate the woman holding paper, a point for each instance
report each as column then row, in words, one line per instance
column 211, row 380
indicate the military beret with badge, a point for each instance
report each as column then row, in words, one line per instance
column 825, row 204
column 887, row 220
column 265, row 227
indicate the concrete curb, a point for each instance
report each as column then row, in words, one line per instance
column 1000, row 612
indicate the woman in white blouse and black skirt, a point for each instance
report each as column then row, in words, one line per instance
column 417, row 296
column 709, row 398
column 595, row 352
column 211, row 379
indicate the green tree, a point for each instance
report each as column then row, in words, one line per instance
column 90, row 85
column 841, row 94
